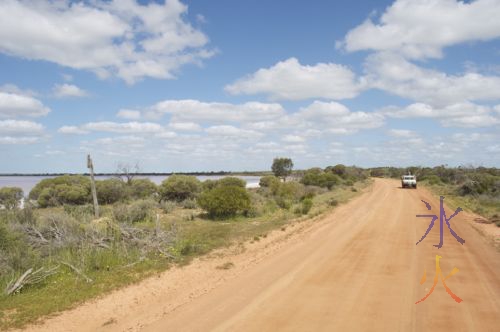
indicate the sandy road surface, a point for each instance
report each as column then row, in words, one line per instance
column 356, row 270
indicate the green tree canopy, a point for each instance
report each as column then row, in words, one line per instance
column 282, row 167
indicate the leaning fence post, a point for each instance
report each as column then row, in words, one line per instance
column 90, row 166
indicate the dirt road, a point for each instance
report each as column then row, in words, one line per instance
column 357, row 270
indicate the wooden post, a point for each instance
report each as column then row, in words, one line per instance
column 90, row 166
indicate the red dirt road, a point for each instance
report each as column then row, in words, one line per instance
column 358, row 269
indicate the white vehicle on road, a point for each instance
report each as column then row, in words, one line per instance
column 409, row 181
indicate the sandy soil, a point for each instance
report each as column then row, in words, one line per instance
column 357, row 269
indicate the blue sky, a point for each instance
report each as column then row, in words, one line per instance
column 229, row 85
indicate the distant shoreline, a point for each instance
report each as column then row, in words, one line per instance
column 257, row 173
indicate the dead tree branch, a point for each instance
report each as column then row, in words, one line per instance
column 78, row 271
column 29, row 277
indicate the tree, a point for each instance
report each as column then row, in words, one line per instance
column 225, row 201
column 179, row 188
column 282, row 167
column 10, row 197
column 127, row 172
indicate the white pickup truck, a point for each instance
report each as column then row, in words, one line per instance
column 409, row 181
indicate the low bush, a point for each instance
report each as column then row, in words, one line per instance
column 306, row 205
column 317, row 177
column 168, row 206
column 225, row 201
column 142, row 188
column 179, row 188
column 10, row 197
column 287, row 193
column 269, row 181
column 66, row 189
column 189, row 204
column 82, row 213
column 231, row 181
column 333, row 202
column 110, row 191
column 138, row 211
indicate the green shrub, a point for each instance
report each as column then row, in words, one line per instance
column 83, row 213
column 10, row 197
column 339, row 170
column 306, row 205
column 168, row 206
column 110, row 191
column 142, row 188
column 23, row 216
column 316, row 177
column 66, row 189
column 268, row 181
column 378, row 172
column 432, row 179
column 138, row 211
column 287, row 193
column 333, row 202
column 189, row 204
column 232, row 181
column 224, row 201
column 179, row 188
column 208, row 184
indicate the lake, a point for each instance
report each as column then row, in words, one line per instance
column 26, row 183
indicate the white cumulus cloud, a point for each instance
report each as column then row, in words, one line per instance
column 20, row 132
column 123, row 127
column 454, row 115
column 20, row 127
column 72, row 130
column 290, row 80
column 421, row 29
column 185, row 126
column 68, row 90
column 13, row 105
column 335, row 118
column 129, row 114
column 233, row 132
column 120, row 38
column 395, row 75
column 188, row 110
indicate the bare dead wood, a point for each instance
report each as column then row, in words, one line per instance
column 29, row 277
column 36, row 237
column 18, row 284
column 78, row 271
column 134, row 263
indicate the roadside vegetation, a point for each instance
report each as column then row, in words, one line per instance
column 476, row 189
column 54, row 254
